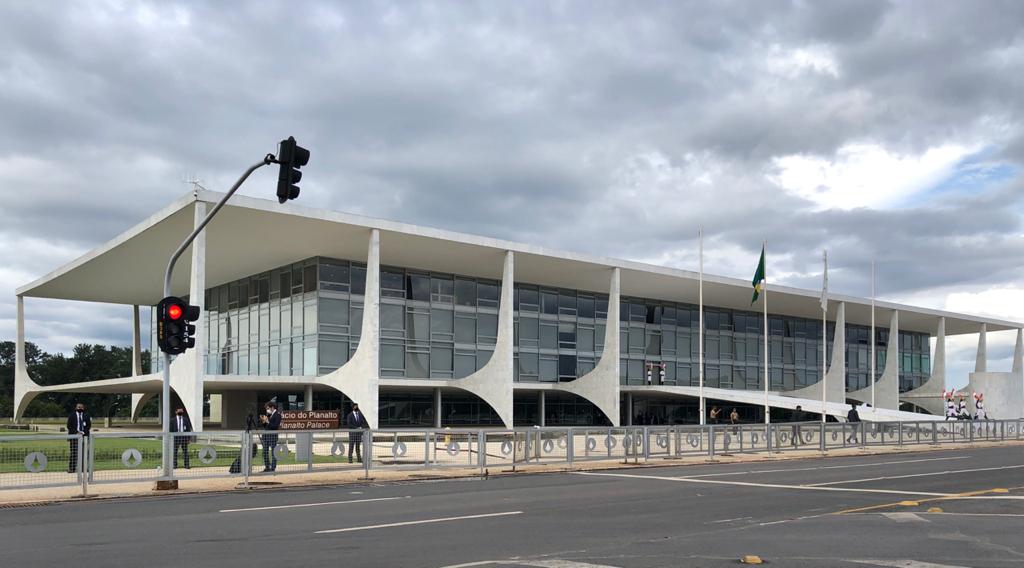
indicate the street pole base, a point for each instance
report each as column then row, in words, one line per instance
column 166, row 485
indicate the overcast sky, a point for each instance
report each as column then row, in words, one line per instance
column 877, row 130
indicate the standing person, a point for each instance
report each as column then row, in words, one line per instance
column 853, row 417
column 979, row 407
column 798, row 417
column 950, row 407
column 272, row 422
column 961, row 409
column 356, row 422
column 181, row 423
column 714, row 414
column 78, row 423
column 734, row 419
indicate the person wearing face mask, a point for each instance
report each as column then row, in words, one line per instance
column 356, row 422
column 271, row 421
column 181, row 423
column 78, row 423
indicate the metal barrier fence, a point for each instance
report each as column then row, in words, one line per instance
column 40, row 460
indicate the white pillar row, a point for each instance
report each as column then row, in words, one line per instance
column 25, row 389
column 601, row 385
column 929, row 395
column 307, row 399
column 437, row 408
column 541, row 410
column 187, row 369
column 359, row 378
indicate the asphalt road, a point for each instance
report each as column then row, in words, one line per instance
column 837, row 511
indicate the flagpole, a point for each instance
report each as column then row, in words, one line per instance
column 764, row 249
column 700, row 308
column 873, row 370
column 824, row 339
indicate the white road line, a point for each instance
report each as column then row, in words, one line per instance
column 765, row 485
column 824, row 467
column 975, row 514
column 884, row 477
column 904, row 517
column 730, row 520
column 537, row 563
column 422, row 522
column 300, row 505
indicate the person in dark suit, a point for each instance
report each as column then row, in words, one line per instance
column 271, row 422
column 853, row 418
column 78, row 423
column 356, row 422
column 181, row 423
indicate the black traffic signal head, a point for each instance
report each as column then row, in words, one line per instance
column 291, row 156
column 174, row 330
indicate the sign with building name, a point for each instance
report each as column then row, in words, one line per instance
column 309, row 419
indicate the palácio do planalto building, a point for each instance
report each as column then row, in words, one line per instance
column 426, row 327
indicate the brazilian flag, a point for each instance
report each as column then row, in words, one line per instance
column 758, row 281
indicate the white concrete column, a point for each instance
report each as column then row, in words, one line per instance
column 981, row 362
column 939, row 360
column 25, row 389
column 1018, row 355
column 359, row 378
column 541, row 410
column 136, row 343
column 437, row 408
column 629, row 409
column 307, row 401
column 601, row 385
column 188, row 369
column 493, row 382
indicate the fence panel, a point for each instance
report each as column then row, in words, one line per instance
column 207, row 454
column 504, row 448
column 125, row 457
column 40, row 460
column 658, row 442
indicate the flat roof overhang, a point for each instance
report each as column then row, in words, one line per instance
column 250, row 236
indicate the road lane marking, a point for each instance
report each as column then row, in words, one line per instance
column 824, row 467
column 974, row 514
column 764, row 485
column 538, row 563
column 300, row 505
column 730, row 520
column 906, row 564
column 904, row 517
column 885, row 477
column 979, row 494
column 421, row 522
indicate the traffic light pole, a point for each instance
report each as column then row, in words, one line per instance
column 165, row 399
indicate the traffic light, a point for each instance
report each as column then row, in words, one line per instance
column 174, row 330
column 291, row 156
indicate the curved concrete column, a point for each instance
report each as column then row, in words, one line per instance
column 887, row 388
column 359, row 378
column 493, row 382
column 836, row 375
column 187, row 369
column 601, row 386
column 139, row 399
column 25, row 389
column 929, row 395
column 1004, row 392
column 981, row 361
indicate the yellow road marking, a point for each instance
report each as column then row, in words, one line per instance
column 946, row 498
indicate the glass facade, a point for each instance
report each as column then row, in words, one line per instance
column 559, row 334
column 305, row 319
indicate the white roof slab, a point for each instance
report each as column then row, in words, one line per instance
column 254, row 235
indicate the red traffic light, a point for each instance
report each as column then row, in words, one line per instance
column 174, row 311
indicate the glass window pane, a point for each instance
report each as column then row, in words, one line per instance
column 586, row 307
column 548, row 336
column 418, row 327
column 418, row 287
column 585, row 339
column 465, row 292
column 392, row 317
column 465, row 330
column 309, row 278
column 549, row 370
column 441, row 359
column 487, row 294
column 441, row 321
column 392, row 356
column 567, row 335
column 416, row 365
column 333, row 311
column 333, row 354
column 487, row 325
column 528, row 329
column 442, row 289
column 528, row 365
column 465, row 365
column 549, row 302
column 530, row 297
column 334, row 276
column 566, row 365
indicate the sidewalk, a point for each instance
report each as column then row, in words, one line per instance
column 30, row 497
